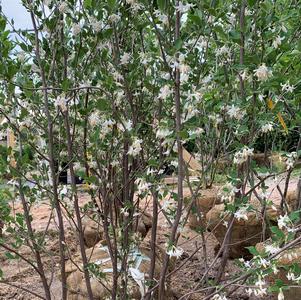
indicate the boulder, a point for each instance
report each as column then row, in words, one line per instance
column 93, row 229
column 100, row 259
column 245, row 233
column 203, row 203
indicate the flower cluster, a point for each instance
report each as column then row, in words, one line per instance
column 243, row 155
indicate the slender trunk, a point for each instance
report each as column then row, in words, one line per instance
column 52, row 161
column 180, row 164
column 76, row 207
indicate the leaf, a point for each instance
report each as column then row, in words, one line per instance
column 253, row 250
column 87, row 3
column 178, row 44
column 270, row 104
column 161, row 4
column 111, row 3
column 280, row 118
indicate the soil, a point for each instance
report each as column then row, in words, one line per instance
column 18, row 273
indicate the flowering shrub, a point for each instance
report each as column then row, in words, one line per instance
column 115, row 90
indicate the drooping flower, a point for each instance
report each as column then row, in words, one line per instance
column 165, row 92
column 163, row 133
column 277, row 41
column 125, row 58
column 286, row 87
column 174, row 251
column 61, row 102
column 262, row 72
column 63, row 7
column 183, row 8
column 135, row 148
column 114, row 18
column 76, row 29
column 234, row 112
column 94, row 119
column 243, row 155
column 267, row 127
column 96, row 25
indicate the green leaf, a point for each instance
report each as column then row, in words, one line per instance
column 253, row 250
column 161, row 4
column 87, row 3
column 112, row 3
column 178, row 44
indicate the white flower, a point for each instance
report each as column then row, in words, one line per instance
column 243, row 155
column 218, row 297
column 135, row 148
column 290, row 160
column 283, row 221
column 242, row 213
column 94, row 119
column 262, row 72
column 244, row 75
column 267, row 127
column 76, row 28
column 183, row 8
column 114, row 18
column 63, row 7
column 271, row 249
column 198, row 131
column 277, row 41
column 235, row 112
column 96, row 25
column 280, row 295
column 286, row 87
column 125, row 58
column 61, row 102
column 165, row 92
column 162, row 17
column 163, row 133
column 142, row 186
column 174, row 251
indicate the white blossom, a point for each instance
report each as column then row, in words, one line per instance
column 135, row 148
column 63, row 7
column 290, row 160
column 174, row 251
column 162, row 17
column 286, row 87
column 234, row 112
column 94, row 119
column 114, row 18
column 280, row 295
column 271, row 249
column 163, row 133
column 242, row 213
column 125, row 58
column 96, row 25
column 183, row 8
column 76, row 29
column 283, row 221
column 267, row 127
column 242, row 155
column 277, row 41
column 61, row 102
column 165, row 92
column 262, row 72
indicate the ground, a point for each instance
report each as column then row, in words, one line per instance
column 18, row 273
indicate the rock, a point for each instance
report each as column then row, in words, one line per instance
column 93, row 231
column 100, row 258
column 203, row 203
column 285, row 259
column 245, row 233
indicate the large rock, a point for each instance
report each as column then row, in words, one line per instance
column 100, row 258
column 203, row 203
column 93, row 229
column 286, row 259
column 245, row 233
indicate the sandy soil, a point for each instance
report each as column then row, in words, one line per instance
column 18, row 273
